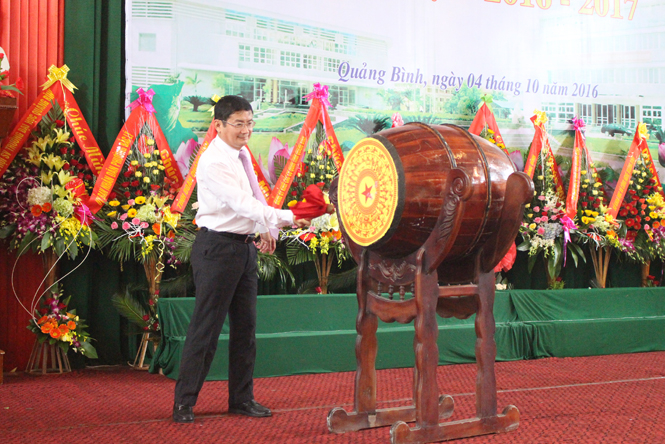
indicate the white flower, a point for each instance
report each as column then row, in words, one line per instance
column 39, row 195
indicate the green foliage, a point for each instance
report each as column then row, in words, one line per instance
column 197, row 101
column 465, row 101
column 369, row 123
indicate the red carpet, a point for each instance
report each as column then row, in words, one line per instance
column 604, row 399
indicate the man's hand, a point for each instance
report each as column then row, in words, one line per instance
column 301, row 223
column 267, row 243
column 330, row 209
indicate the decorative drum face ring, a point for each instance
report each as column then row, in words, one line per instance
column 370, row 192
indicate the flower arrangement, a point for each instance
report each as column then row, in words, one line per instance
column 42, row 193
column 136, row 222
column 642, row 214
column 317, row 243
column 57, row 324
column 546, row 228
column 323, row 238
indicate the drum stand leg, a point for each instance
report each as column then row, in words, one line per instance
column 486, row 421
column 365, row 414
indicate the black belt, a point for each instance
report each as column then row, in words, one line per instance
column 245, row 238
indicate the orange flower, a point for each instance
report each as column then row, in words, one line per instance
column 55, row 333
column 337, row 234
column 47, row 327
column 157, row 228
column 193, row 221
column 63, row 329
column 46, row 207
column 171, row 234
column 71, row 325
column 36, row 210
column 42, row 320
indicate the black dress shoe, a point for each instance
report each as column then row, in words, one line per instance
column 250, row 408
column 182, row 413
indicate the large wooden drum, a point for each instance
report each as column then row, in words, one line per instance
column 395, row 184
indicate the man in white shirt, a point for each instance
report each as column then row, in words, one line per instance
column 224, row 264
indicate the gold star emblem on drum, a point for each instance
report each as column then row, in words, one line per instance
column 368, row 193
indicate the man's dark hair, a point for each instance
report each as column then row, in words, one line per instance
column 228, row 105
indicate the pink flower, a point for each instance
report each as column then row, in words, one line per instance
column 145, row 224
column 123, row 217
column 114, row 225
column 136, row 221
column 130, row 202
column 536, row 209
column 544, row 219
column 541, row 197
column 553, row 218
column 541, row 231
column 125, row 225
column 537, row 220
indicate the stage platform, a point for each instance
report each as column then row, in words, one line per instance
column 299, row 334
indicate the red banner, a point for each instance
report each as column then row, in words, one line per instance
column 39, row 108
column 536, row 147
column 338, row 156
column 181, row 199
column 540, row 142
column 115, row 161
column 278, row 194
column 81, row 130
column 12, row 145
column 626, row 173
column 574, row 184
column 170, row 165
column 484, row 117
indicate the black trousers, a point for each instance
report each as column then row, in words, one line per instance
column 226, row 282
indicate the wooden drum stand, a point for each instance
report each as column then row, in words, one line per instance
column 385, row 285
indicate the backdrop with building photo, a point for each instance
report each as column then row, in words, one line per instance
column 432, row 61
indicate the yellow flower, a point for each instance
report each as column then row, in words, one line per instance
column 125, row 207
column 291, row 203
column 146, row 179
column 146, row 155
column 530, row 215
column 111, row 213
column 643, row 131
column 61, row 136
column 134, row 162
column 532, row 226
column 541, row 117
column 150, row 142
column 54, row 162
column 155, row 172
column 131, row 212
column 140, row 200
column 170, row 218
column 583, row 172
column 162, row 167
column 138, row 174
column 114, row 203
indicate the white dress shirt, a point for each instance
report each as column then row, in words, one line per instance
column 226, row 201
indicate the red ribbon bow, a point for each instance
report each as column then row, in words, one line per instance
column 145, row 99
column 321, row 93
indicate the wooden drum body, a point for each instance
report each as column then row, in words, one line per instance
column 427, row 212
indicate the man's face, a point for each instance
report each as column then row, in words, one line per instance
column 236, row 130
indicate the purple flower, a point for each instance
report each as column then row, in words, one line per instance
column 517, row 159
column 183, row 155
